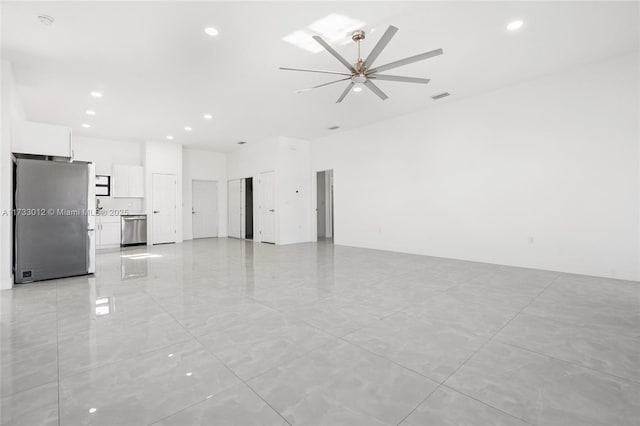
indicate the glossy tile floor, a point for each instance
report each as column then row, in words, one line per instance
column 228, row 332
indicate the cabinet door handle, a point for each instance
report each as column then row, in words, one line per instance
column 156, row 211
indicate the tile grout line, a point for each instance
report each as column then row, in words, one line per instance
column 392, row 361
column 134, row 356
column 569, row 323
column 297, row 357
column 58, row 356
column 342, row 338
column 440, row 384
column 419, row 404
column 221, row 362
column 490, row 338
column 443, row 383
column 486, row 404
column 625, row 379
column 200, row 401
column 500, row 329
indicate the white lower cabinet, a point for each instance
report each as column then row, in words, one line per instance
column 108, row 231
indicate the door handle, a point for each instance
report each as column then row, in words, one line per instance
column 193, row 212
column 272, row 210
column 156, row 211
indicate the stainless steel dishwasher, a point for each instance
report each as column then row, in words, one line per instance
column 133, row 229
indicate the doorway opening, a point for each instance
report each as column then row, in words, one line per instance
column 324, row 206
column 248, row 208
column 240, row 208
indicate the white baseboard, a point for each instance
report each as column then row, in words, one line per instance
column 6, row 283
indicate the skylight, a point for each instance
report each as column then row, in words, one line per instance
column 303, row 40
column 334, row 28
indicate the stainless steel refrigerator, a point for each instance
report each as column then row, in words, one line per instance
column 54, row 219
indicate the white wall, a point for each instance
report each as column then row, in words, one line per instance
column 293, row 191
column 164, row 158
column 204, row 165
column 105, row 154
column 249, row 161
column 291, row 160
column 10, row 109
column 544, row 174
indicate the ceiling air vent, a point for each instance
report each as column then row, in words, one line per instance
column 46, row 20
column 440, row 96
column 333, row 127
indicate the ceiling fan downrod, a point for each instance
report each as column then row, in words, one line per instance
column 358, row 36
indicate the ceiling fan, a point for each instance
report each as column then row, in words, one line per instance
column 362, row 71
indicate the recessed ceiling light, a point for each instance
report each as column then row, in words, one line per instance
column 86, row 126
column 187, row 128
column 91, row 112
column 92, row 410
column 357, row 89
column 169, row 137
column 46, row 20
column 208, row 116
column 189, row 374
column 170, row 355
column 515, row 25
column 96, row 94
column 211, row 31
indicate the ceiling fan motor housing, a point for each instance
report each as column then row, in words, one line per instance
column 359, row 78
column 357, row 35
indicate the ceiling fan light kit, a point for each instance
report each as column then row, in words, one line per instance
column 362, row 71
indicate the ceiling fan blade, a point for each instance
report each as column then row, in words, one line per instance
column 382, row 43
column 399, row 78
column 331, row 82
column 406, row 61
column 334, row 53
column 345, row 93
column 375, row 89
column 320, row 71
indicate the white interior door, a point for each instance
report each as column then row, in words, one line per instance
column 204, row 209
column 235, row 204
column 164, row 209
column 267, row 207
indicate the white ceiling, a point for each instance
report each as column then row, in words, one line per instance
column 159, row 71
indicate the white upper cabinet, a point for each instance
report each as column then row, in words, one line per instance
column 128, row 181
column 136, row 181
column 41, row 139
column 120, row 181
